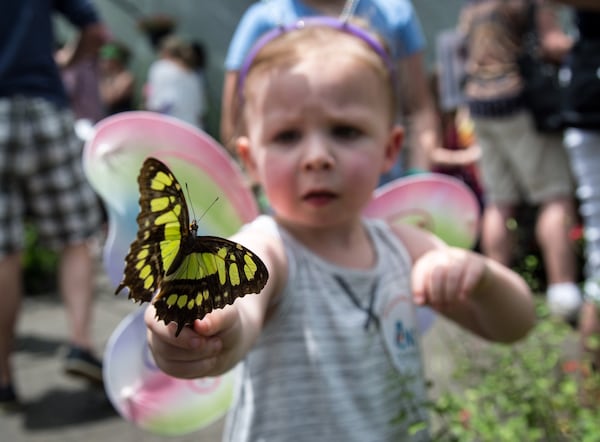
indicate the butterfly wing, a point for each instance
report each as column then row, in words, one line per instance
column 163, row 224
column 212, row 273
column 193, row 274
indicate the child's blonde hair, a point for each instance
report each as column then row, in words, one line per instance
column 320, row 41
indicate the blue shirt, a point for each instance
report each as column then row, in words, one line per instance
column 27, row 42
column 394, row 20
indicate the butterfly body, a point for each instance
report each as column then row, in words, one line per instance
column 184, row 275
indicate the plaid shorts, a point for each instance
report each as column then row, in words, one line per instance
column 41, row 177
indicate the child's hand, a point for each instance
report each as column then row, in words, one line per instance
column 444, row 277
column 195, row 352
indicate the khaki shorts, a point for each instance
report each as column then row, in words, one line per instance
column 520, row 164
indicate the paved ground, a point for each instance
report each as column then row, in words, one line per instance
column 62, row 409
column 59, row 408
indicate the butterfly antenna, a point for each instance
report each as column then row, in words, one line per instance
column 187, row 189
column 208, row 208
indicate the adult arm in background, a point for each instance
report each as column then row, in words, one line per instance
column 229, row 110
column 554, row 41
column 89, row 40
column 424, row 129
column 257, row 20
column 118, row 88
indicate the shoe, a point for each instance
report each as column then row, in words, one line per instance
column 8, row 399
column 564, row 300
column 82, row 363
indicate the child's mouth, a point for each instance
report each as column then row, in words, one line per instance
column 319, row 197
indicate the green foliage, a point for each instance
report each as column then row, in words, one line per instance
column 536, row 390
column 530, row 391
column 39, row 265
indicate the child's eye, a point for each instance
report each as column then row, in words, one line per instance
column 287, row 136
column 346, row 132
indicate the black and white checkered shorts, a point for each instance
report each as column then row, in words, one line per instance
column 41, row 177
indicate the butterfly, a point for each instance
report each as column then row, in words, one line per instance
column 184, row 275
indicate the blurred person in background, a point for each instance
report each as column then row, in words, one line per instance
column 41, row 175
column 173, row 86
column 81, row 80
column 117, row 83
column 519, row 165
column 582, row 140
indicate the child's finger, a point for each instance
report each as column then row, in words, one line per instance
column 216, row 322
column 472, row 277
column 453, row 281
column 418, row 283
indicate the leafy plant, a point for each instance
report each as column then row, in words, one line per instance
column 530, row 391
column 540, row 389
column 39, row 264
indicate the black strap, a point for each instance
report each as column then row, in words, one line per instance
column 531, row 42
column 371, row 316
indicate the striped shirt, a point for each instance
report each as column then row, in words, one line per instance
column 339, row 358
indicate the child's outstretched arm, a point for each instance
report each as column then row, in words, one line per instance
column 221, row 339
column 471, row 289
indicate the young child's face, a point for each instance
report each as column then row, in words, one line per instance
column 319, row 135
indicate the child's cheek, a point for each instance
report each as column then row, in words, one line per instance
column 277, row 179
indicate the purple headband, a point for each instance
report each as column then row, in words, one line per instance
column 331, row 22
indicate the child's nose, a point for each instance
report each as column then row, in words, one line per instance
column 317, row 155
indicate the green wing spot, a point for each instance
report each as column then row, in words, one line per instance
column 161, row 180
column 160, row 204
column 191, row 304
column 182, row 301
column 168, row 252
column 220, row 263
column 173, row 231
column 234, row 274
column 202, row 296
column 149, row 282
column 198, row 270
column 145, row 271
column 166, row 218
column 171, row 300
column 209, row 263
column 249, row 267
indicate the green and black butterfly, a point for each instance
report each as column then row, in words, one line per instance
column 193, row 274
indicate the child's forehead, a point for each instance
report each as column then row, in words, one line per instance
column 327, row 71
column 313, row 54
column 317, row 34
column 331, row 66
column 313, row 84
column 327, row 59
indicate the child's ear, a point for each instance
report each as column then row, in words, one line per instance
column 393, row 148
column 245, row 156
